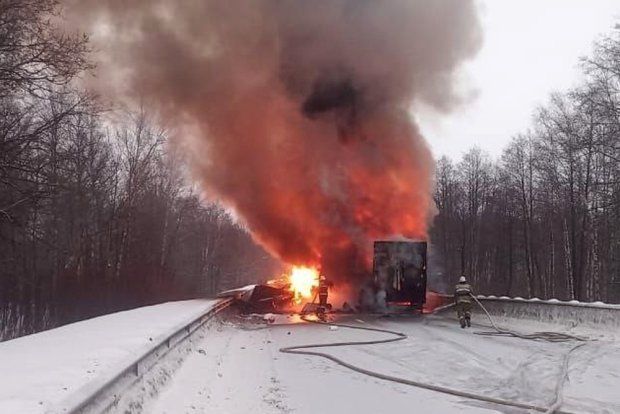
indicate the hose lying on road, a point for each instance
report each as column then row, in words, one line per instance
column 559, row 389
column 544, row 336
column 399, row 336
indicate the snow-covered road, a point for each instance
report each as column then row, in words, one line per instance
column 237, row 370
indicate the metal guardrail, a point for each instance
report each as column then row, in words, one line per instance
column 589, row 315
column 551, row 302
column 100, row 396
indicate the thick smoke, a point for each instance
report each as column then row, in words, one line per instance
column 296, row 112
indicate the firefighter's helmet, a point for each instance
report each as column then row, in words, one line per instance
column 462, row 279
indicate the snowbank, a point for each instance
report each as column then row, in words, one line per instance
column 40, row 370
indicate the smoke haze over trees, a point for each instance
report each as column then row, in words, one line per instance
column 299, row 110
column 95, row 215
column 544, row 220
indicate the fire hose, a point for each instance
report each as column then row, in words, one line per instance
column 399, row 336
column 545, row 336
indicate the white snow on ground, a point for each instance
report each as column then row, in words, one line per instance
column 38, row 371
column 238, row 370
column 230, row 368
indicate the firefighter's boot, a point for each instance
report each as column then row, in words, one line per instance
column 462, row 321
column 468, row 321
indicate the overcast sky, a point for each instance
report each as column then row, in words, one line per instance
column 531, row 48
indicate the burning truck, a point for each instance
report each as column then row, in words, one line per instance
column 398, row 279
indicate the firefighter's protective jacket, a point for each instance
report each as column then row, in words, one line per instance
column 462, row 293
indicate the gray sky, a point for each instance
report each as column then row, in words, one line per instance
column 531, row 48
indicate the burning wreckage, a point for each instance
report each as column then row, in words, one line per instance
column 398, row 280
column 307, row 135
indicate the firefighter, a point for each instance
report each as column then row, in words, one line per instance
column 462, row 299
column 323, row 294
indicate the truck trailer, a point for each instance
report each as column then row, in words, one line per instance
column 399, row 268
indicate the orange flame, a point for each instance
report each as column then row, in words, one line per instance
column 303, row 280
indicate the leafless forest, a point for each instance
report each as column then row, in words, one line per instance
column 544, row 219
column 94, row 215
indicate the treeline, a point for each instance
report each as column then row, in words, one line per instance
column 95, row 215
column 544, row 219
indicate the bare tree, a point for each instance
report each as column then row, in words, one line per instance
column 554, row 196
column 37, row 57
column 95, row 215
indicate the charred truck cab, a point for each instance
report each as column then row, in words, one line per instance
column 399, row 268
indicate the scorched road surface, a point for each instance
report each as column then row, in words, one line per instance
column 237, row 368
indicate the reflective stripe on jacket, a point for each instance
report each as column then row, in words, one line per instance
column 462, row 292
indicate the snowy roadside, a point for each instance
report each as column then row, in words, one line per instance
column 40, row 370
